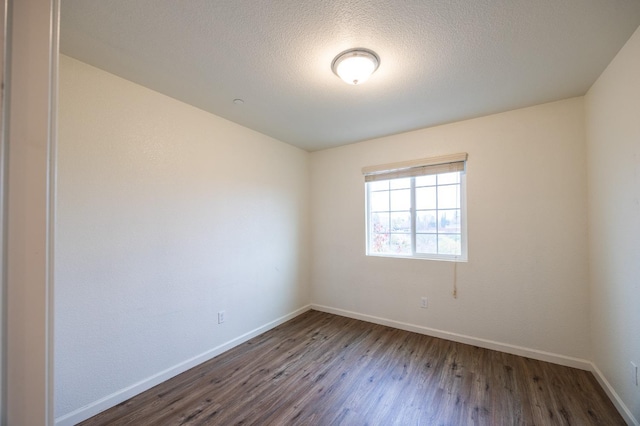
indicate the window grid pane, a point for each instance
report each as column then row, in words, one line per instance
column 416, row 216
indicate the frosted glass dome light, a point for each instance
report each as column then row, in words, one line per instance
column 355, row 66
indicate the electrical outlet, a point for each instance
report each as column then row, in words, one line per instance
column 634, row 374
column 424, row 304
column 220, row 317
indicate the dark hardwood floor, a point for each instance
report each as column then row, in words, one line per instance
column 322, row 369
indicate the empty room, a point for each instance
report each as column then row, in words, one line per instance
column 318, row 213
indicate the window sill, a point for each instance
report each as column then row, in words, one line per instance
column 440, row 258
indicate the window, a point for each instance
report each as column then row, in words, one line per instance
column 417, row 209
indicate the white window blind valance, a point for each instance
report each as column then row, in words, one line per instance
column 422, row 167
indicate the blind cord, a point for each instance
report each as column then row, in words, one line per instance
column 455, row 280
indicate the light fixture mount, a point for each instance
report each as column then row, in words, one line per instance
column 355, row 66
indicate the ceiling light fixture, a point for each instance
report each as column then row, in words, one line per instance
column 355, row 66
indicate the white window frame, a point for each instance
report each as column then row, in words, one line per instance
column 413, row 169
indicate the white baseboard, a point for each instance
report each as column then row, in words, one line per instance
column 614, row 397
column 502, row 347
column 582, row 364
column 116, row 398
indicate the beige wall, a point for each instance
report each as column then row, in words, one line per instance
column 140, row 204
column 166, row 215
column 3, row 154
column 613, row 141
column 31, row 87
column 525, row 283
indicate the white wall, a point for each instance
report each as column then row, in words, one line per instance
column 165, row 216
column 526, row 280
column 613, row 143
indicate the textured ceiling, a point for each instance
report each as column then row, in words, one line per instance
column 441, row 60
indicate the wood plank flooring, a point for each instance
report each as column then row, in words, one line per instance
column 322, row 369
